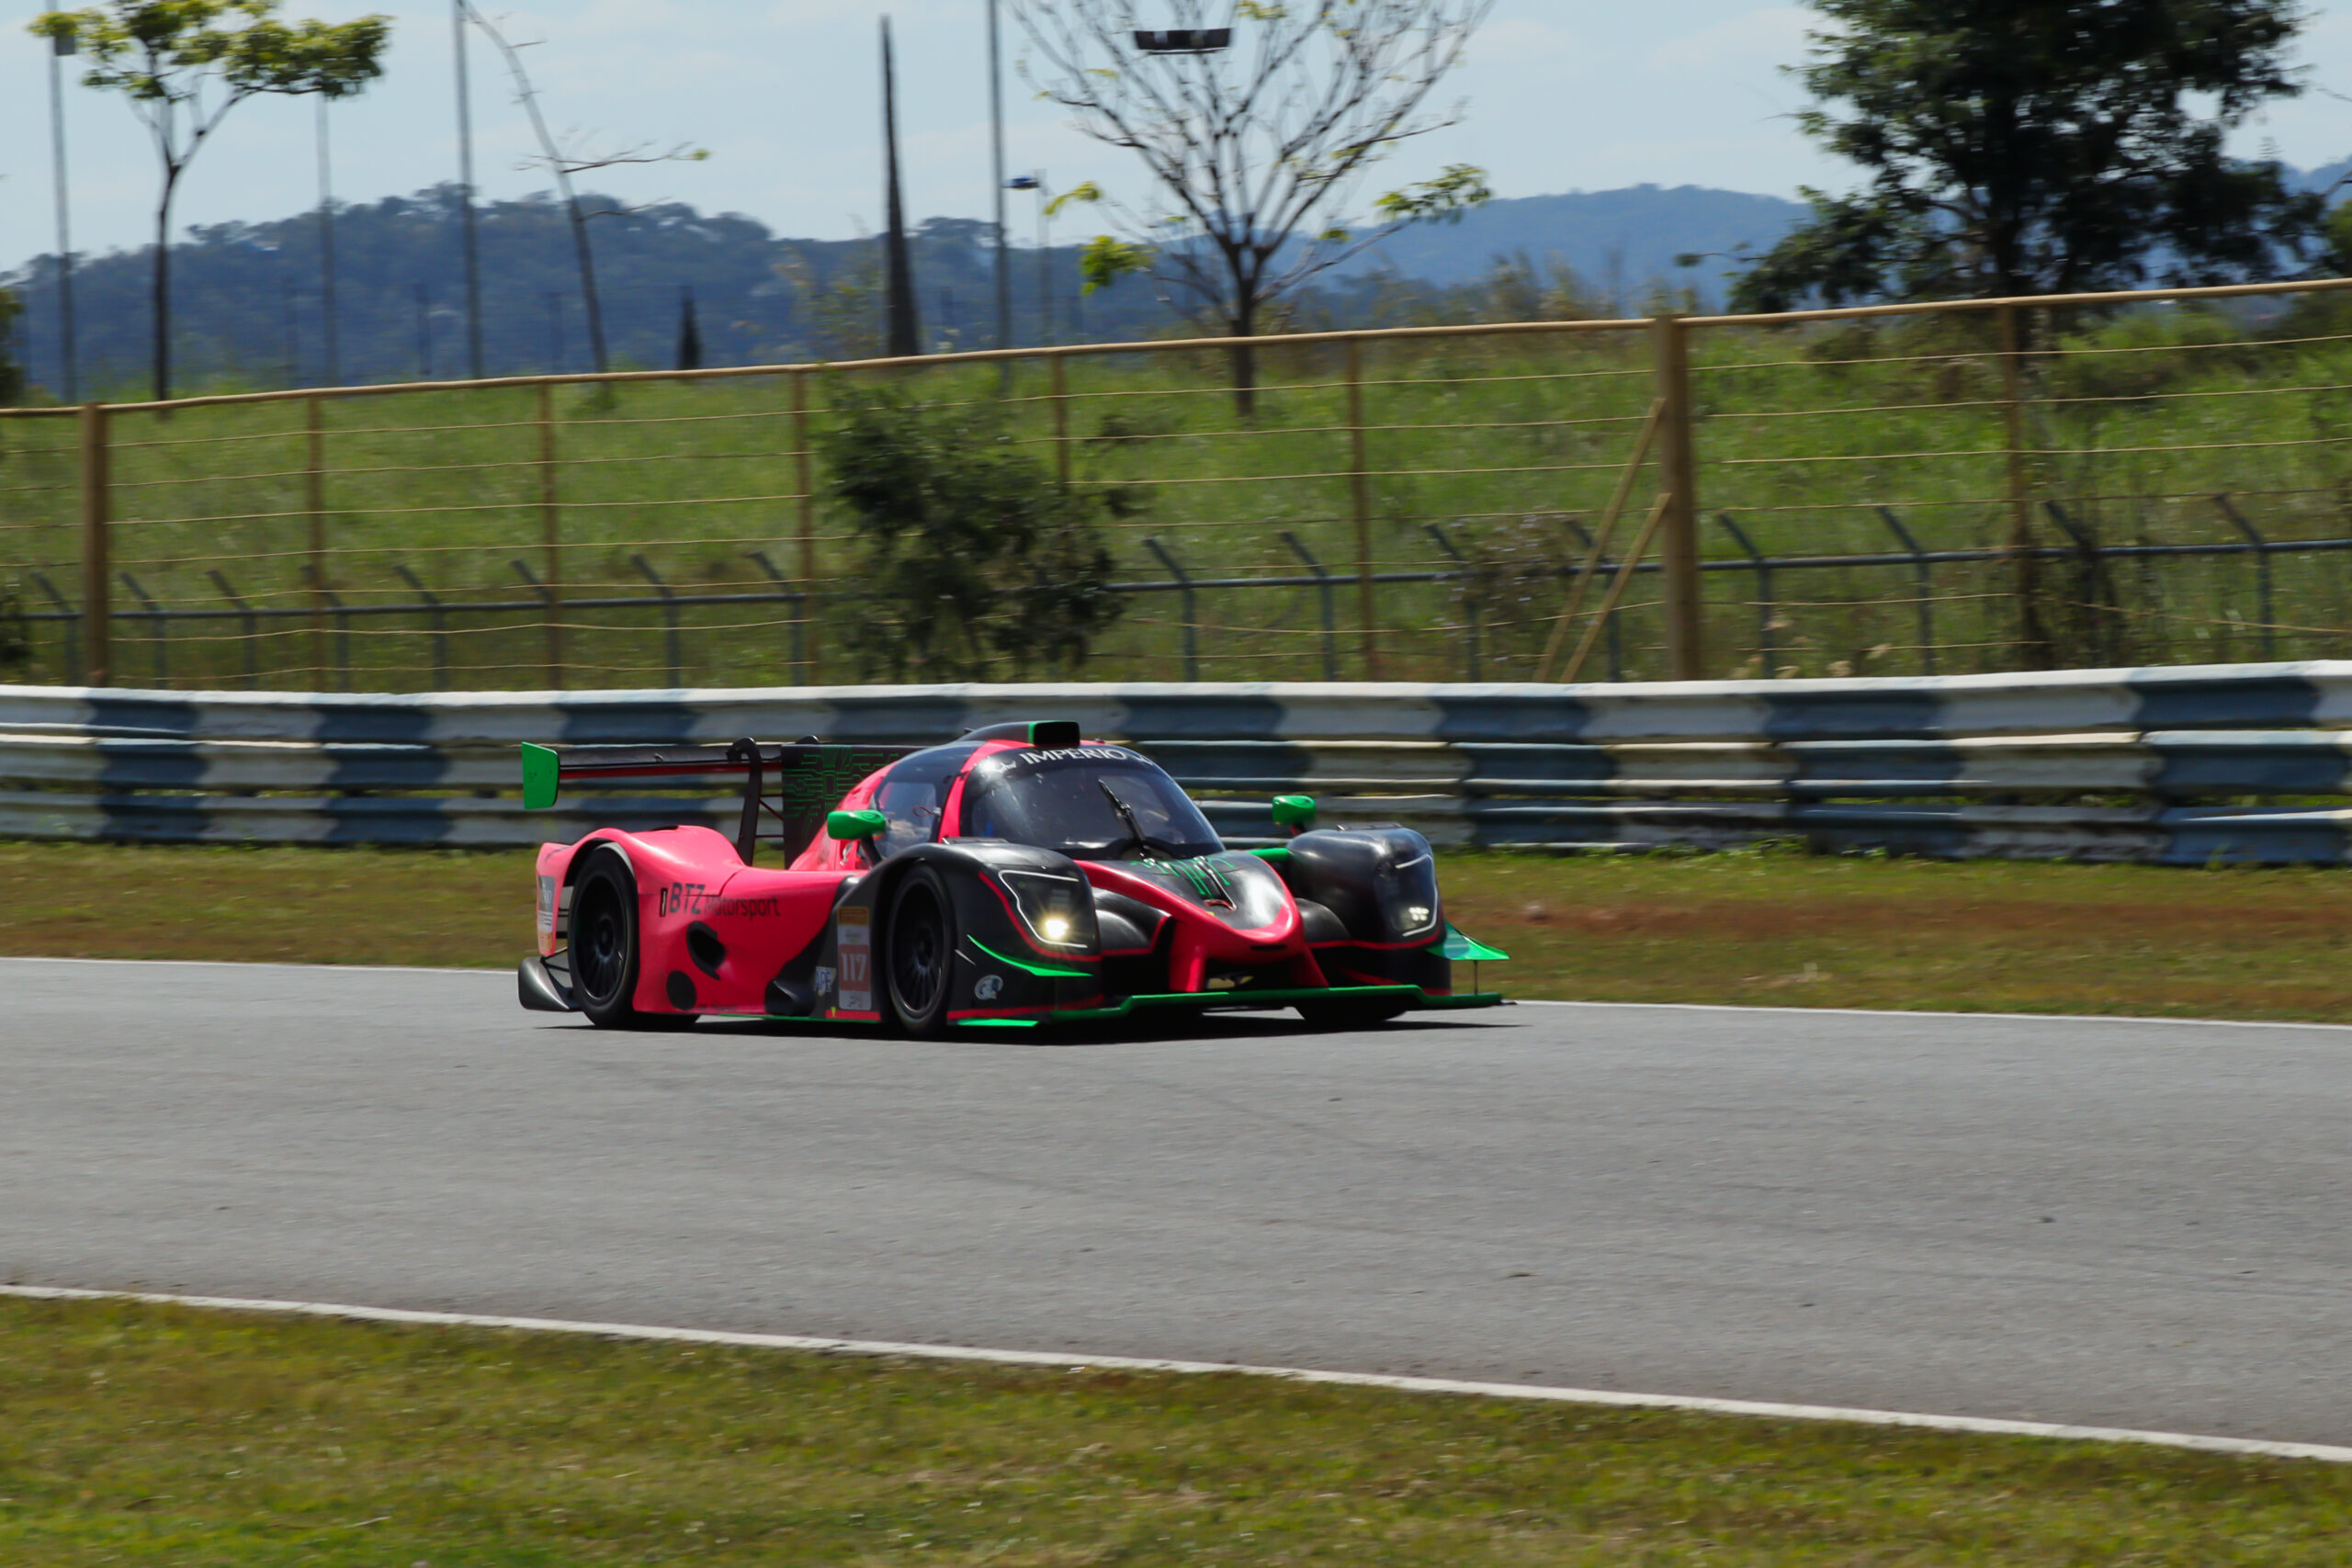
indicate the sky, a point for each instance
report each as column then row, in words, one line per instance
column 1561, row 94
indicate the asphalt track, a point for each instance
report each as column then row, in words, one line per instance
column 2102, row 1223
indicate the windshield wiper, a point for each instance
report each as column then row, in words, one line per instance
column 1136, row 835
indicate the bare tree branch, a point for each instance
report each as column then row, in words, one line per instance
column 1257, row 148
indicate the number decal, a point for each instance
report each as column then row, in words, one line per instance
column 853, row 937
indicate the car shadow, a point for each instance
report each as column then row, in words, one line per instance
column 1151, row 1028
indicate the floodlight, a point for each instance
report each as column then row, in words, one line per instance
column 1183, row 40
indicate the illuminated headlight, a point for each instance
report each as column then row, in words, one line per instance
column 1058, row 910
column 1409, row 897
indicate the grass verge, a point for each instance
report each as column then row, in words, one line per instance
column 139, row 1434
column 1781, row 929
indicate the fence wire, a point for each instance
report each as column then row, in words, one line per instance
column 2149, row 482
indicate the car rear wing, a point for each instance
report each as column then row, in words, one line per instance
column 795, row 783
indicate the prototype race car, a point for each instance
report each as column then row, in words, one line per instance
column 1016, row 876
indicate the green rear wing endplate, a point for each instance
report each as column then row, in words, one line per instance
column 542, row 777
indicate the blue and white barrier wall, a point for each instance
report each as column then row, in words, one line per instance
column 2230, row 762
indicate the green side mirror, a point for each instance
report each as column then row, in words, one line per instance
column 541, row 772
column 1295, row 812
column 855, row 824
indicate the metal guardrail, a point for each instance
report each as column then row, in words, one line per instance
column 2227, row 763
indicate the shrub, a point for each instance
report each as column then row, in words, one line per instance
column 975, row 558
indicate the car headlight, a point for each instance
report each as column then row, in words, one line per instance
column 1058, row 910
column 1409, row 897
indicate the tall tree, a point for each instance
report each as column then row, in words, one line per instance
column 689, row 331
column 900, row 333
column 1254, row 142
column 2016, row 147
column 12, row 375
column 183, row 64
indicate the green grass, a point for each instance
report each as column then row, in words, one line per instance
column 1752, row 928
column 1801, row 435
column 145, row 1435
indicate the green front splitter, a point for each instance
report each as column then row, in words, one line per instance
column 1208, row 1000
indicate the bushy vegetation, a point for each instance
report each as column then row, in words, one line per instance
column 974, row 560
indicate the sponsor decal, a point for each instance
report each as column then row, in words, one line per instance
column 1006, row 763
column 547, row 905
column 747, row 907
column 853, row 937
column 1079, row 754
column 680, row 897
column 824, row 980
column 698, row 898
column 988, row 987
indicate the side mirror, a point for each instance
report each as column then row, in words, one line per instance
column 855, row 824
column 1295, row 812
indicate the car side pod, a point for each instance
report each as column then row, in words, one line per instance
column 538, row 989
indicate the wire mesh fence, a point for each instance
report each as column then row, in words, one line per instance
column 2146, row 478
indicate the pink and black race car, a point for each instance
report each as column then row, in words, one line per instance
column 1017, row 876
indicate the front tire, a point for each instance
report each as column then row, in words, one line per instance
column 603, row 946
column 919, row 953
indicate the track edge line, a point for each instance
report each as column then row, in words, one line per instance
column 1986, row 1426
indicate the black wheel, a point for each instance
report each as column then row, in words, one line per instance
column 1351, row 1012
column 919, row 953
column 603, row 946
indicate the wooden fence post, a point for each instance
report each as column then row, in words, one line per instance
column 1679, row 528
column 314, row 506
column 1060, row 374
column 807, row 609
column 550, row 536
column 1360, row 495
column 96, row 622
column 2024, row 562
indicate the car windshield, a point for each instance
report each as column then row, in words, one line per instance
column 1086, row 802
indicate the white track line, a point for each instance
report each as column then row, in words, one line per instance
column 1985, row 1017
column 1137, row 1364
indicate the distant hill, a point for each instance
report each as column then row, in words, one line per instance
column 248, row 295
column 1617, row 240
column 2322, row 179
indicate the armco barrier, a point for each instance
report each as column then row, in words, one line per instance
column 2229, row 762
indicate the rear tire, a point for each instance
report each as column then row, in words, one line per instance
column 919, row 953
column 603, row 946
column 1351, row 1012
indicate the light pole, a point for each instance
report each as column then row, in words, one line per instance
column 61, row 45
column 996, row 168
column 466, row 193
column 1036, row 182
